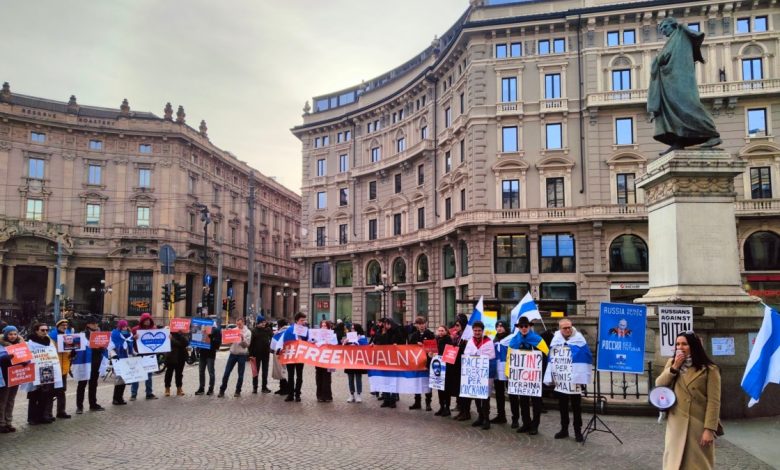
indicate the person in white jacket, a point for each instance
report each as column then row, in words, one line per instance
column 480, row 345
column 238, row 355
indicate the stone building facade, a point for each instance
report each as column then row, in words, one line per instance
column 502, row 160
column 115, row 186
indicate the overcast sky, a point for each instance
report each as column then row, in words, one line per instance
column 245, row 66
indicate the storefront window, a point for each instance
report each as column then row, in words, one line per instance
column 140, row 293
column 344, row 274
column 421, row 308
column 344, row 307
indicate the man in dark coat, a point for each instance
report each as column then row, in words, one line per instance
column 259, row 350
column 392, row 333
column 207, row 357
column 421, row 333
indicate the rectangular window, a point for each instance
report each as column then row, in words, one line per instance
column 516, row 49
column 510, row 194
column 320, row 274
column 343, row 274
column 760, row 183
column 343, row 163
column 447, row 161
column 447, row 117
column 621, row 79
column 376, row 154
column 317, row 143
column 320, row 236
column 145, row 148
column 143, row 218
column 613, row 38
column 421, row 305
column 191, row 185
column 34, row 209
column 372, row 229
column 35, row 168
column 556, row 293
column 400, row 144
column 371, row 190
column 743, row 25
column 554, row 136
column 629, row 36
column 420, row 175
column 509, row 89
column 420, row 217
column 462, row 103
column 756, row 122
column 544, row 46
column 369, row 128
column 626, row 189
column 555, row 196
column 424, row 132
column 624, row 131
column 509, row 139
column 96, row 145
column 752, row 69
column 462, row 200
column 501, row 51
column 397, row 182
column 326, row 140
column 321, row 168
column 396, row 224
column 694, row 27
column 144, row 178
column 557, row 253
column 760, row 24
column 342, row 234
column 37, row 137
column 347, row 136
column 559, row 45
column 448, row 208
column 343, row 196
column 463, row 150
column 339, row 137
column 511, row 254
column 322, row 200
column 94, row 174
column 552, row 86
column 140, row 291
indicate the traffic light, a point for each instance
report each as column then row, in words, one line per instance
column 224, row 304
column 231, row 305
column 179, row 292
column 166, row 297
column 210, row 299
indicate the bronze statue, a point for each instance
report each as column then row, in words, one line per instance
column 673, row 98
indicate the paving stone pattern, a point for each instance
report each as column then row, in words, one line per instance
column 263, row 431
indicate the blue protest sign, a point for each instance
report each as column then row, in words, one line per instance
column 621, row 346
column 200, row 328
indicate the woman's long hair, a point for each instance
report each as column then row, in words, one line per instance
column 699, row 356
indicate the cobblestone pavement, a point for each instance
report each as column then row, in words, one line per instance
column 263, row 431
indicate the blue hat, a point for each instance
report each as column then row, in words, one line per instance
column 260, row 318
column 9, row 329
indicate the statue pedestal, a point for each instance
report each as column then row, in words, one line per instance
column 694, row 260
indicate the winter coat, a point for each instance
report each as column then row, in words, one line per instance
column 178, row 353
column 395, row 335
column 215, row 342
column 697, row 408
column 5, row 358
column 452, row 378
column 242, row 347
column 121, row 344
column 260, row 344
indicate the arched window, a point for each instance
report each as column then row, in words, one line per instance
column 449, row 262
column 464, row 259
column 373, row 273
column 628, row 253
column 399, row 271
column 422, row 268
column 762, row 252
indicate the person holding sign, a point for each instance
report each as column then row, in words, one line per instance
column 569, row 368
column 295, row 371
column 41, row 398
column 65, row 360
column 420, row 334
column 693, row 422
column 93, row 357
column 208, row 348
column 7, row 394
column 442, row 341
column 480, row 345
column 175, row 360
column 355, row 337
column 121, row 347
column 259, row 351
column 501, row 381
column 238, row 355
column 146, row 323
column 527, row 340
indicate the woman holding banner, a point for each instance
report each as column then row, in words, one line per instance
column 7, row 394
column 175, row 361
column 41, row 397
column 501, row 381
column 452, row 379
column 322, row 377
column 480, row 345
column 442, row 341
column 121, row 346
column 694, row 420
column 355, row 376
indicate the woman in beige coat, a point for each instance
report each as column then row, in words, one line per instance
column 693, row 421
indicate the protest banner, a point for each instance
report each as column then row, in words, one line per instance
column 561, row 367
column 300, row 330
column 524, row 372
column 430, row 346
column 621, row 346
column 322, row 336
column 99, row 339
column 437, row 373
column 131, row 369
column 47, row 364
column 180, row 325
column 18, row 375
column 405, row 357
column 352, row 337
column 149, row 363
column 672, row 320
column 76, row 342
column 153, row 341
column 474, row 377
column 450, row 354
column 200, row 329
column 253, row 365
column 398, row 381
column 231, row 336
column 20, row 351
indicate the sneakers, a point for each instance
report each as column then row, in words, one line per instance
column 199, row 391
column 266, row 390
column 358, row 398
column 237, row 395
column 351, row 398
column 132, row 397
column 151, row 396
column 562, row 434
column 79, row 411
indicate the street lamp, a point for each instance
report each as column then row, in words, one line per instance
column 284, row 293
column 384, row 287
column 104, row 289
column 205, row 217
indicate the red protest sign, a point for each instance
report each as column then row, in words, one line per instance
column 20, row 351
column 18, row 375
column 430, row 346
column 231, row 336
column 450, row 354
column 99, row 339
column 181, row 325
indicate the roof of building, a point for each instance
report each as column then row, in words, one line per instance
column 80, row 110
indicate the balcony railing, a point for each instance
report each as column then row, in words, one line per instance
column 509, row 108
column 757, row 205
column 554, row 105
column 421, row 146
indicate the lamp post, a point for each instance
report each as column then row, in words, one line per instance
column 103, row 289
column 284, row 293
column 384, row 287
column 205, row 217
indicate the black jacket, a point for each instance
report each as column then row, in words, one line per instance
column 395, row 335
column 260, row 345
column 417, row 337
column 178, row 354
column 215, row 338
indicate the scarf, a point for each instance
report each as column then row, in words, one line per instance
column 686, row 365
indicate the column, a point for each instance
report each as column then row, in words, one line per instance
column 2, row 268
column 9, row 287
column 50, row 285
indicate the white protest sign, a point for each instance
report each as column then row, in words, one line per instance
column 723, row 346
column 300, row 330
column 437, row 373
column 47, row 364
column 153, row 341
column 474, row 377
column 71, row 342
column 131, row 369
column 672, row 320
column 322, row 336
column 525, row 373
column 561, row 364
column 352, row 337
column 149, row 363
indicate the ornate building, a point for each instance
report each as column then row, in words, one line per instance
column 502, row 160
column 115, row 186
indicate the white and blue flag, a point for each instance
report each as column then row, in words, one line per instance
column 525, row 308
column 763, row 366
column 398, row 381
column 476, row 316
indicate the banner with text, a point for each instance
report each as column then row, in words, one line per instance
column 153, row 341
column 200, row 328
column 437, row 373
column 672, row 320
column 474, row 377
column 562, row 370
column 621, row 346
column 391, row 357
column 524, row 371
column 47, row 364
